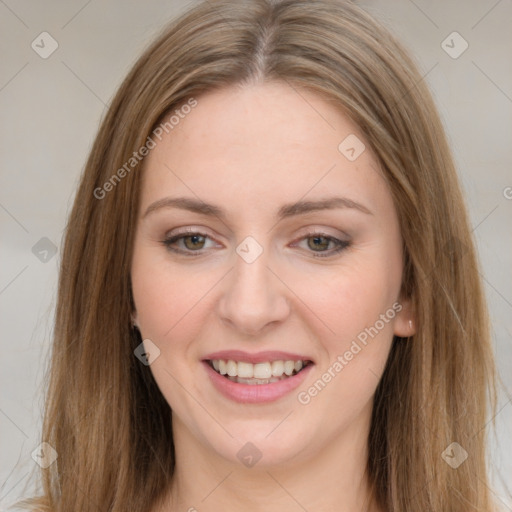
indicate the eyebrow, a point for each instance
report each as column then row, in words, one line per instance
column 287, row 210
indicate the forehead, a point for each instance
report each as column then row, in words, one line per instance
column 271, row 117
column 259, row 144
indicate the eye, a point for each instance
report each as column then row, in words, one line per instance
column 192, row 243
column 319, row 243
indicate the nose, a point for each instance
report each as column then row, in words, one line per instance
column 253, row 297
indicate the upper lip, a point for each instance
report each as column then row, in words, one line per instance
column 256, row 357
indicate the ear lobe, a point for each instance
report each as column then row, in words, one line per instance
column 134, row 320
column 405, row 322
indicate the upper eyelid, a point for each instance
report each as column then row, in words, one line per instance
column 311, row 232
column 340, row 245
column 190, row 232
column 204, row 232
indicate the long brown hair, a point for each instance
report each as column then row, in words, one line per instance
column 104, row 414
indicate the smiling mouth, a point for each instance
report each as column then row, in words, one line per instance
column 258, row 373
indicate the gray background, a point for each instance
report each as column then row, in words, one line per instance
column 50, row 110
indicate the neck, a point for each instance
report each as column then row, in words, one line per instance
column 334, row 479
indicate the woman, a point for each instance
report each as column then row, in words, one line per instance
column 269, row 294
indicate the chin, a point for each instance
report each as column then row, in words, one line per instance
column 261, row 447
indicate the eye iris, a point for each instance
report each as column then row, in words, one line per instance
column 323, row 245
column 194, row 239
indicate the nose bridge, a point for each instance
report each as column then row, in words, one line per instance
column 253, row 297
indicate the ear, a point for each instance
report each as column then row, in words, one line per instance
column 135, row 322
column 405, row 321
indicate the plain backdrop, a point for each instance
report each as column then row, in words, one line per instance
column 50, row 109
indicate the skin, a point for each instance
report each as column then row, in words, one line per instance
column 250, row 150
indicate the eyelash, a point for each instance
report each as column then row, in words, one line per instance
column 341, row 244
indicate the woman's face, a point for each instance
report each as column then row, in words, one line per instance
column 267, row 237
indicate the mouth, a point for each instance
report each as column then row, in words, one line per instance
column 261, row 373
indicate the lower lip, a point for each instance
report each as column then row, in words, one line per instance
column 255, row 393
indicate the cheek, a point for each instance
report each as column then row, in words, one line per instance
column 352, row 299
column 168, row 302
column 358, row 307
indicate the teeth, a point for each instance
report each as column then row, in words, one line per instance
column 277, row 368
column 259, row 373
column 289, row 366
column 246, row 370
column 232, row 368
